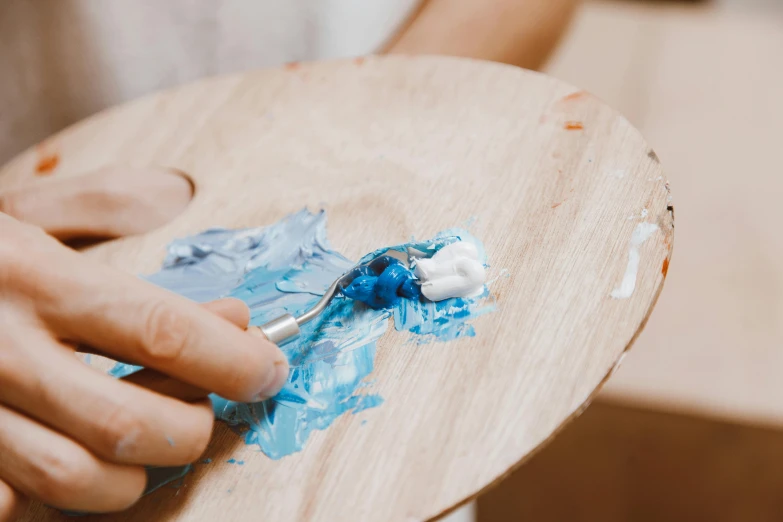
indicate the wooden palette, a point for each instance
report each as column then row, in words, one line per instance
column 554, row 182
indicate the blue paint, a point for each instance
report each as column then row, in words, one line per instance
column 122, row 369
column 383, row 284
column 206, row 461
column 285, row 268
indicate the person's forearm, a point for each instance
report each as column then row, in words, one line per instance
column 518, row 32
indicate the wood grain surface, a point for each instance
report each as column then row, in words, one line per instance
column 714, row 346
column 557, row 183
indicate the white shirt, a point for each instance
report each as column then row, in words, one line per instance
column 62, row 60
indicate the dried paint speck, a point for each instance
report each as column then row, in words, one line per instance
column 46, row 164
column 574, row 125
column 574, row 96
column 641, row 233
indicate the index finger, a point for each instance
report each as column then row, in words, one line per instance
column 136, row 321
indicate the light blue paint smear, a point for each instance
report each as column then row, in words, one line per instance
column 285, row 268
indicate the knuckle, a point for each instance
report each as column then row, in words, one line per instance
column 165, row 332
column 9, row 204
column 9, row 365
column 120, row 433
column 19, row 246
column 61, row 477
column 15, row 365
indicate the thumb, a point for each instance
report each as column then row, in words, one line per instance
column 108, row 203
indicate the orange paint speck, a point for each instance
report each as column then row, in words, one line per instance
column 574, row 125
column 557, row 204
column 292, row 66
column 665, row 268
column 47, row 164
column 359, row 60
column 575, row 96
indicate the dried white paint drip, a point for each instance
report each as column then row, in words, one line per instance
column 454, row 271
column 641, row 233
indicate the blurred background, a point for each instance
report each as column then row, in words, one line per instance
column 691, row 426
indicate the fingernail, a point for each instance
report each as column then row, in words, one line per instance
column 277, row 376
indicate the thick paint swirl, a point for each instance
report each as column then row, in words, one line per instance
column 285, row 268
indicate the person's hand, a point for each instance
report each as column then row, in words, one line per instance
column 77, row 439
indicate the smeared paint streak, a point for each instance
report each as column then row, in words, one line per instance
column 557, row 204
column 121, row 370
column 291, row 66
column 653, row 156
column 158, row 477
column 170, row 441
column 237, row 462
column 665, row 267
column 641, row 233
column 359, row 60
column 574, row 125
column 46, row 164
column 470, row 222
column 285, row 268
column 206, row 461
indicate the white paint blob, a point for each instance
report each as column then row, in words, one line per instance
column 454, row 271
column 641, row 233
